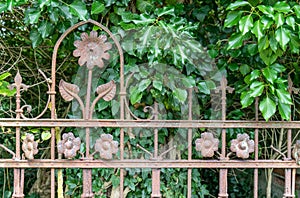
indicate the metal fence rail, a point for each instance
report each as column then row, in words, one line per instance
column 107, row 147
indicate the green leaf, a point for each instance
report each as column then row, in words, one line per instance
column 144, row 20
column 4, row 76
column 237, row 4
column 284, row 111
column 45, row 29
column 252, row 49
column 284, row 96
column 266, row 22
column 291, row 21
column 282, row 6
column 165, row 11
column 257, row 91
column 135, row 95
column 35, row 38
column 282, row 36
column 268, row 107
column 115, row 107
column 245, row 24
column 233, row 66
column 258, row 29
column 235, row 41
column 246, row 99
column 9, row 4
column 268, row 56
column 263, row 43
column 244, row 69
column 46, row 135
column 97, row 7
column 180, row 94
column 297, row 10
column 78, row 8
column 203, row 88
column 232, row 18
column 188, row 82
column 157, row 84
column 273, row 43
column 254, row 74
column 278, row 68
column 267, row 10
column 144, row 84
column 269, row 74
column 279, row 19
column 144, row 6
column 34, row 16
column 3, row 7
column 212, row 53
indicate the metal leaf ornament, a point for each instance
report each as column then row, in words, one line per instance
column 68, row 90
column 108, row 90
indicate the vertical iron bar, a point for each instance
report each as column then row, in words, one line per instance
column 18, row 190
column 223, row 172
column 288, row 172
column 155, row 172
column 256, row 151
column 87, row 173
column 190, row 137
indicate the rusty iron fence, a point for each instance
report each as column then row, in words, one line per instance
column 92, row 50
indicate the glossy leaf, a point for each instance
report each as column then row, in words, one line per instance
column 245, row 24
column 284, row 96
column 4, row 76
column 232, row 18
column 78, row 8
column 180, row 94
column 254, row 74
column 45, row 29
column 284, row 110
column 97, row 7
column 282, row 36
column 291, row 21
column 3, row 7
column 244, row 69
column 246, row 99
column 263, row 43
column 35, row 38
column 278, row 67
column 273, row 44
column 144, row 84
column 237, row 4
column 257, row 91
column 258, row 29
column 267, row 10
column 269, row 74
column 268, row 107
column 157, row 84
column 266, row 22
column 279, row 19
column 252, row 49
column 282, row 6
column 235, row 41
column 135, row 95
column 297, row 10
column 46, row 135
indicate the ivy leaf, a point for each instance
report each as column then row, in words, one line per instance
column 263, row 43
column 35, row 38
column 257, row 90
column 180, row 94
column 157, row 84
column 144, row 84
column 254, row 74
column 291, row 21
column 268, row 56
column 232, row 18
column 278, row 68
column 284, row 96
column 282, row 6
column 258, row 30
column 97, row 7
column 266, row 22
column 245, row 24
column 235, row 41
column 284, row 110
column 78, row 8
column 32, row 16
column 45, row 29
column 237, row 4
column 46, row 135
column 135, row 95
column 295, row 43
column 267, row 10
column 3, row 7
column 273, row 44
column 270, row 74
column 297, row 10
column 268, row 107
column 282, row 36
column 4, row 76
column 252, row 49
column 246, row 99
column 244, row 69
column 279, row 19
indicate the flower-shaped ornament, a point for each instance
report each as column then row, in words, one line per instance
column 29, row 146
column 106, row 146
column 92, row 49
column 69, row 145
column 207, row 144
column 242, row 146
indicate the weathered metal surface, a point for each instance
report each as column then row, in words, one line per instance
column 93, row 51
